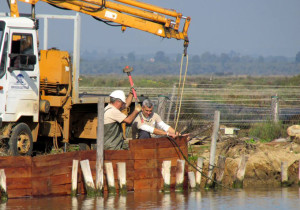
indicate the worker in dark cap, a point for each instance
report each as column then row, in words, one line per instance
column 149, row 123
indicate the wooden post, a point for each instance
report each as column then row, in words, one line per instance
column 284, row 174
column 121, row 167
column 179, row 175
column 74, row 177
column 3, row 188
column 220, row 168
column 239, row 178
column 110, row 178
column 88, row 178
column 171, row 104
column 161, row 107
column 166, row 174
column 198, row 173
column 275, row 108
column 100, row 143
column 213, row 147
column 192, row 180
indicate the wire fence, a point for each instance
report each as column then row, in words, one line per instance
column 239, row 105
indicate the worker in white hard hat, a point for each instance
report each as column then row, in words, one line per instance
column 113, row 117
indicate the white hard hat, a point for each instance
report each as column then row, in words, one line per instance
column 119, row 94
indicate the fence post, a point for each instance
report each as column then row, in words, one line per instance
column 161, row 107
column 88, row 178
column 192, row 180
column 221, row 168
column 284, row 174
column 275, row 108
column 166, row 174
column 110, row 177
column 74, row 177
column 100, row 142
column 3, row 187
column 121, row 167
column 213, row 147
column 179, row 175
column 240, row 174
column 199, row 171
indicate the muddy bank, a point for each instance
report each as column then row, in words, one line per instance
column 263, row 167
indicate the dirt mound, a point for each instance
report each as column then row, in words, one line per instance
column 263, row 167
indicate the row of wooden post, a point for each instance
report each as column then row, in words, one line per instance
column 121, row 169
column 194, row 180
column 88, row 178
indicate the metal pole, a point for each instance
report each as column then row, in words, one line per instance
column 45, row 33
column 76, row 58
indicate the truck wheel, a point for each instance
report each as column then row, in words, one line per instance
column 20, row 142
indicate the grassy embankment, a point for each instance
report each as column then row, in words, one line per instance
column 169, row 81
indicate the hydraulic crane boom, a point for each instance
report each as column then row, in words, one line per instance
column 127, row 13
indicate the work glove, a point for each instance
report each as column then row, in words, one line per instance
column 131, row 91
column 138, row 108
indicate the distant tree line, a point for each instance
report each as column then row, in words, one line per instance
column 225, row 64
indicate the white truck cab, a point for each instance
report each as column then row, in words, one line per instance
column 19, row 72
column 19, row 69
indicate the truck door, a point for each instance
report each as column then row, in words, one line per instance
column 3, row 57
column 22, row 76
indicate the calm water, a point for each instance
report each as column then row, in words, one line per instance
column 279, row 198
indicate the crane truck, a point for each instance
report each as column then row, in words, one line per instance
column 37, row 86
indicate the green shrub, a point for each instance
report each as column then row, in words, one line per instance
column 251, row 141
column 268, row 131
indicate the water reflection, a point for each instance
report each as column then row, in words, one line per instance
column 110, row 201
column 194, row 200
column 278, row 198
column 88, row 203
column 180, row 201
column 99, row 202
column 3, row 206
column 241, row 197
column 74, row 203
column 122, row 201
column 166, row 201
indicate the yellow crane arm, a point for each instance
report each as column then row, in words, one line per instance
column 14, row 11
column 128, row 13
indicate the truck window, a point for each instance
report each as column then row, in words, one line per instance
column 21, row 45
column 2, row 26
column 4, row 56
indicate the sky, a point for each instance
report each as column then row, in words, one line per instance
column 248, row 27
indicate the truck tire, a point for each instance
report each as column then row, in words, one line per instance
column 20, row 142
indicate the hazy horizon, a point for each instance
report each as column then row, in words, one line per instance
column 251, row 27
